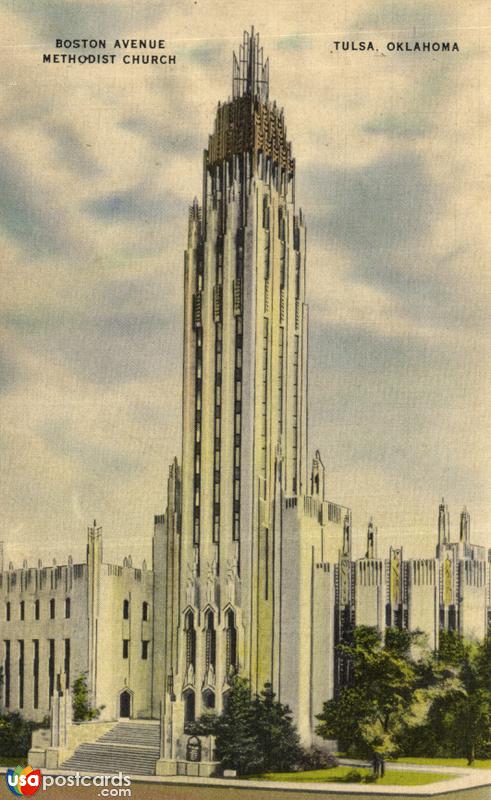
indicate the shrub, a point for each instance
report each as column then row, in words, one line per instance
column 15, row 734
column 353, row 776
column 83, row 711
column 316, row 758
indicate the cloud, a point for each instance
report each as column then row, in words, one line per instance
column 7, row 372
column 26, row 213
column 138, row 204
column 409, row 125
column 100, row 166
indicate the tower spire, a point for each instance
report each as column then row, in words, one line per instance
column 347, row 535
column 250, row 73
column 443, row 523
column 371, row 540
column 465, row 525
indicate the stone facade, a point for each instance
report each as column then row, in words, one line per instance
column 62, row 621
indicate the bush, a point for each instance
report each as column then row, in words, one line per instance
column 353, row 776
column 316, row 758
column 83, row 711
column 16, row 734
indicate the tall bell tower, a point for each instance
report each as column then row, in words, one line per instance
column 244, row 411
column 254, row 533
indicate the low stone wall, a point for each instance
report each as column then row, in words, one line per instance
column 42, row 754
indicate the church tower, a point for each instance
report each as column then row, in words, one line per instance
column 244, row 412
column 255, row 534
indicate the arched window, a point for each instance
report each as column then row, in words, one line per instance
column 52, row 608
column 210, row 641
column 126, row 609
column 145, row 611
column 190, row 640
column 230, row 643
column 36, row 609
column 208, row 698
column 67, row 608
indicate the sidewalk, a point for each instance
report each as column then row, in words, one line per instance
column 465, row 778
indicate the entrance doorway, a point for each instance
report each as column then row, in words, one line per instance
column 125, row 704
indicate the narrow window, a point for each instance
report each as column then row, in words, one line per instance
column 145, row 611
column 189, row 707
column 51, row 668
column 35, row 673
column 126, row 609
column 230, row 643
column 52, row 608
column 7, row 612
column 190, row 640
column 22, row 610
column 67, row 608
column 126, row 647
column 36, row 609
column 67, row 663
column 21, row 673
column 6, row 670
column 144, row 650
column 210, row 640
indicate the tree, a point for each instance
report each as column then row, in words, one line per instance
column 277, row 737
column 452, row 650
column 460, row 719
column 253, row 733
column 16, row 734
column 234, row 728
column 367, row 716
column 454, row 714
column 83, row 711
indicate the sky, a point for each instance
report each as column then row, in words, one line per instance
column 99, row 164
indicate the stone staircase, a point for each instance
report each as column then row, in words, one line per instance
column 131, row 747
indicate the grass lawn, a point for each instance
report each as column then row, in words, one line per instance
column 338, row 774
column 446, row 762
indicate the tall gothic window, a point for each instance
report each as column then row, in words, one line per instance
column 230, row 643
column 190, row 634
column 189, row 707
column 210, row 640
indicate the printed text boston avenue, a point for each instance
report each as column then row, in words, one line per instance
column 120, row 54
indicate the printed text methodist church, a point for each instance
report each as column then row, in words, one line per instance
column 252, row 568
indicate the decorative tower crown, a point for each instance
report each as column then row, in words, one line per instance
column 249, row 123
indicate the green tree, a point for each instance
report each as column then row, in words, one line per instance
column 368, row 716
column 460, row 719
column 236, row 737
column 253, row 733
column 452, row 650
column 83, row 711
column 16, row 734
column 277, row 736
column 454, row 717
